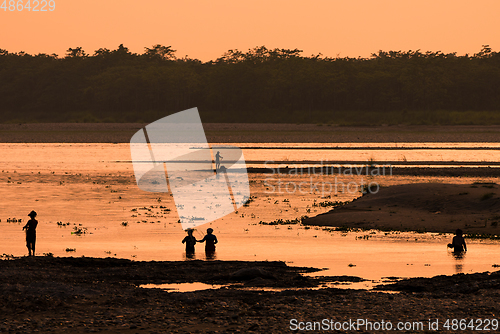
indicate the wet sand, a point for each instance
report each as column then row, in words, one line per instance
column 252, row 133
column 82, row 295
column 424, row 207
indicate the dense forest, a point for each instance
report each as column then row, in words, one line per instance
column 260, row 85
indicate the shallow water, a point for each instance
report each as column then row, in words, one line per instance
column 91, row 187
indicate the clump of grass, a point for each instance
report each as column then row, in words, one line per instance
column 326, row 204
column 346, row 229
column 283, row 222
column 79, row 230
column 70, row 249
column 48, row 254
column 482, row 236
column 247, row 201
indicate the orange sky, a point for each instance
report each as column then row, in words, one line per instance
column 206, row 29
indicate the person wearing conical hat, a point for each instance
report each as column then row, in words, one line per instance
column 30, row 228
column 190, row 241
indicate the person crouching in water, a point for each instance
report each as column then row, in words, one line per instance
column 30, row 228
column 458, row 242
column 190, row 241
column 210, row 240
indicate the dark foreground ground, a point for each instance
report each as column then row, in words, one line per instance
column 81, row 295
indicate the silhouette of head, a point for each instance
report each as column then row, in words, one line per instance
column 190, row 231
column 458, row 232
column 32, row 214
column 210, row 230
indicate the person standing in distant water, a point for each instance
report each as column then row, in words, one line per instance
column 210, row 240
column 30, row 228
column 218, row 159
column 458, row 242
column 190, row 241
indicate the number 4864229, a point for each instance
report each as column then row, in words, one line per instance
column 28, row 5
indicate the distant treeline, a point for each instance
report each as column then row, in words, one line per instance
column 261, row 85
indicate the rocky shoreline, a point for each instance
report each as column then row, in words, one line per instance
column 82, row 295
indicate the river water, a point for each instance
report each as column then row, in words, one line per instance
column 88, row 204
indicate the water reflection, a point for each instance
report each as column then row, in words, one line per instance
column 460, row 259
column 189, row 256
column 209, row 256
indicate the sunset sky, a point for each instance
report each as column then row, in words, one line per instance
column 206, row 29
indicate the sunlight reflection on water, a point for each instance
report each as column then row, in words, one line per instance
column 85, row 185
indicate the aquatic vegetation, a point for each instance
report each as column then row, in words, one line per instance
column 482, row 236
column 7, row 256
column 124, row 223
column 70, row 249
column 79, row 230
column 248, row 200
column 282, row 222
column 327, row 204
column 345, row 229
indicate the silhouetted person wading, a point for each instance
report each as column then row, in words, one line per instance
column 210, row 241
column 30, row 228
column 190, row 241
column 458, row 242
column 218, row 159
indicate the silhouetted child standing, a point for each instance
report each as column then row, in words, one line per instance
column 30, row 228
column 210, row 240
column 190, row 241
column 458, row 242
